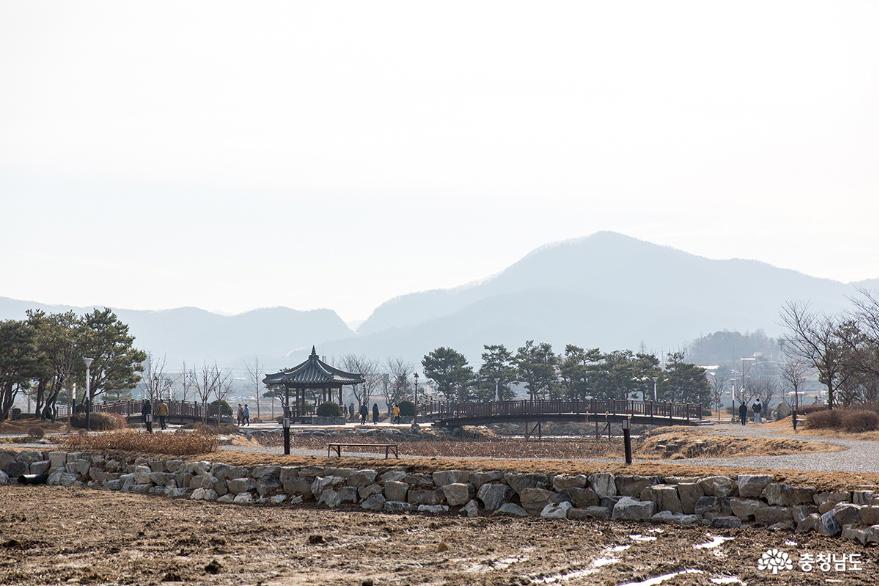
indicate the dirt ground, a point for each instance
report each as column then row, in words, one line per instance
column 54, row 535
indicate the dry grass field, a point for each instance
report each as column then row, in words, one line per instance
column 51, row 535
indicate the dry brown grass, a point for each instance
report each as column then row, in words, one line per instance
column 698, row 444
column 23, row 425
column 174, row 444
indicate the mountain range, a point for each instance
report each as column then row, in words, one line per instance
column 606, row 290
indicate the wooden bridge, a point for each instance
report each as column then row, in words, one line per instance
column 178, row 411
column 581, row 411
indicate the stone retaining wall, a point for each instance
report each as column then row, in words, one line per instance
column 715, row 501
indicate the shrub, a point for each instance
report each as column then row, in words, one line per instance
column 100, row 421
column 224, row 407
column 175, row 444
column 407, row 408
column 35, row 431
column 329, row 409
column 806, row 409
column 15, row 414
column 213, row 429
column 851, row 420
column 824, row 419
column 860, row 421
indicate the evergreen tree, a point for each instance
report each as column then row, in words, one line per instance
column 117, row 363
column 575, row 369
column 497, row 365
column 684, row 382
column 536, row 367
column 449, row 371
column 57, row 353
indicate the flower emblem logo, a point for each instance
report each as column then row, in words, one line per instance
column 774, row 560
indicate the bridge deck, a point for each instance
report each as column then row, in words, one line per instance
column 561, row 410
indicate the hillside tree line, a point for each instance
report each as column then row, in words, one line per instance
column 576, row 373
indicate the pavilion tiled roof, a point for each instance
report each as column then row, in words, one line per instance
column 314, row 372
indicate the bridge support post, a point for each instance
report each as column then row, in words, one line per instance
column 627, row 441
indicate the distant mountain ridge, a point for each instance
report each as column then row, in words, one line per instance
column 195, row 335
column 606, row 290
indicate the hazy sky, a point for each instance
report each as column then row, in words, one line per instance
column 233, row 155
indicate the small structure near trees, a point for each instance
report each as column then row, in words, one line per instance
column 309, row 384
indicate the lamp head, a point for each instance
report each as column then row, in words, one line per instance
column 88, row 362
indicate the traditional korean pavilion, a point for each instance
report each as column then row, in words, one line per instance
column 313, row 379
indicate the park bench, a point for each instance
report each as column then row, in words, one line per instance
column 337, row 447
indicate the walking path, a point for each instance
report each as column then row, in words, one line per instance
column 858, row 455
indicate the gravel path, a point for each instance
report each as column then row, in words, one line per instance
column 858, row 456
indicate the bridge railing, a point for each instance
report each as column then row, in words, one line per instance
column 182, row 409
column 526, row 408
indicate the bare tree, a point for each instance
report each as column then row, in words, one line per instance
column 204, row 382
column 157, row 384
column 400, row 372
column 222, row 386
column 764, row 389
column 186, row 382
column 256, row 376
column 815, row 339
column 368, row 369
column 861, row 334
column 718, row 385
column 793, row 376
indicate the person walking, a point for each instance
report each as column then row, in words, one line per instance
column 375, row 413
column 758, row 408
column 163, row 414
column 239, row 415
column 246, row 415
column 146, row 411
column 743, row 413
column 395, row 412
column 364, row 413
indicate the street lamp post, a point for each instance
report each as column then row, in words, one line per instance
column 497, row 393
column 742, row 397
column 415, row 417
column 88, row 401
column 655, row 380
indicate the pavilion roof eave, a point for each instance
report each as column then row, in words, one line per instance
column 313, row 373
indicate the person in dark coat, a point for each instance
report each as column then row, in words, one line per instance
column 146, row 411
column 364, row 413
column 375, row 413
column 743, row 413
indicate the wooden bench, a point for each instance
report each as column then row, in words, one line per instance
column 337, row 447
